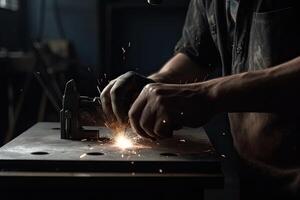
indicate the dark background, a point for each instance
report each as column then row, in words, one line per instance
column 108, row 38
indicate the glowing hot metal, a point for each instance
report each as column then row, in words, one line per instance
column 124, row 138
column 123, row 142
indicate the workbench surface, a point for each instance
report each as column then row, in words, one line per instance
column 42, row 143
column 39, row 157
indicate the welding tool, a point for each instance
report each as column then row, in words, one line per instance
column 71, row 128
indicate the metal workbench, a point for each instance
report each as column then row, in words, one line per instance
column 39, row 164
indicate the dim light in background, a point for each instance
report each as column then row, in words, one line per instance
column 9, row 4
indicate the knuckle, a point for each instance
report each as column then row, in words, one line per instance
column 104, row 96
column 132, row 114
column 130, row 74
column 160, row 100
column 151, row 86
column 156, row 90
column 112, row 96
column 148, row 87
column 146, row 90
column 115, row 91
column 144, row 125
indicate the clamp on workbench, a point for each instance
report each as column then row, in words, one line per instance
column 71, row 128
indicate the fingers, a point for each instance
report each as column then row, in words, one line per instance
column 154, row 124
column 147, row 121
column 135, row 114
column 114, row 102
column 163, row 128
column 117, row 97
column 153, row 116
column 106, row 102
column 119, row 101
column 152, row 113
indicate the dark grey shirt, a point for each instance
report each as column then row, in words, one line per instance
column 231, row 14
column 266, row 34
column 232, row 7
column 260, row 24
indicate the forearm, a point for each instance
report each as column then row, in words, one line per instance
column 271, row 90
column 179, row 70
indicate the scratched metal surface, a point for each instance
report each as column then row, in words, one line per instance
column 188, row 146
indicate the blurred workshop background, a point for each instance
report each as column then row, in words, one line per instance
column 44, row 43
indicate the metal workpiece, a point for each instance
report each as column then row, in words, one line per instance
column 69, row 115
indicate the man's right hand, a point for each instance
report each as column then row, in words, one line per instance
column 120, row 93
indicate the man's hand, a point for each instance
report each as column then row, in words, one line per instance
column 161, row 108
column 120, row 93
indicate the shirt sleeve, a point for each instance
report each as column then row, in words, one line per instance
column 196, row 41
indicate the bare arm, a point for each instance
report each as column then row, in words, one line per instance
column 180, row 69
column 274, row 89
column 162, row 108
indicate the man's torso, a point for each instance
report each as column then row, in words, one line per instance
column 265, row 35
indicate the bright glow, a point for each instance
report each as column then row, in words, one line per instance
column 124, row 138
column 9, row 4
column 3, row 3
column 123, row 142
column 83, row 155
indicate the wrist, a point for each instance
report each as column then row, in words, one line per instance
column 211, row 89
column 155, row 77
column 160, row 78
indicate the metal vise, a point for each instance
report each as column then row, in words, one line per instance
column 71, row 128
